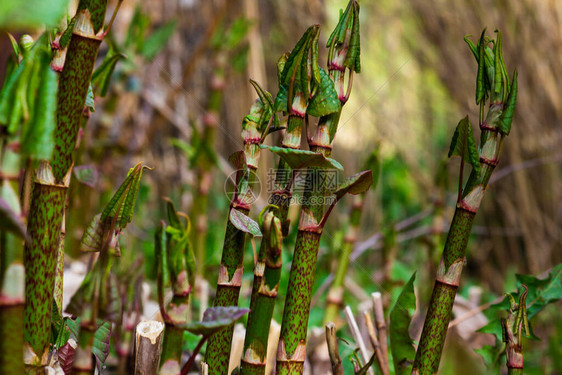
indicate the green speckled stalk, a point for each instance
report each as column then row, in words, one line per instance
column 48, row 197
column 335, row 294
column 299, row 296
column 441, row 303
column 73, row 87
column 40, row 258
column 264, row 293
column 218, row 348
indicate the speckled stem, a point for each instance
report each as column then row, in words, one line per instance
column 448, row 277
column 335, row 294
column 228, row 290
column 49, row 191
column 267, row 274
column 40, row 258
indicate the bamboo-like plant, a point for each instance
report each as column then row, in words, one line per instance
column 52, row 180
column 334, row 300
column 492, row 83
column 343, row 55
column 267, row 273
column 255, row 127
column 175, row 262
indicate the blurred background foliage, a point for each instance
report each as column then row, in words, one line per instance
column 417, row 81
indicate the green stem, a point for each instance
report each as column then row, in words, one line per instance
column 232, row 267
column 267, row 274
column 50, row 187
column 447, row 281
column 228, row 290
column 292, row 341
column 335, row 294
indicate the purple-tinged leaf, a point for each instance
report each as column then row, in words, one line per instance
column 214, row 319
column 244, row 223
column 87, row 174
column 66, row 356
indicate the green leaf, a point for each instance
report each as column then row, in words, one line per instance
column 280, row 104
column 86, row 174
column 326, row 100
column 402, row 346
column 94, row 235
column 509, row 107
column 101, row 78
column 244, row 223
column 481, row 86
column 296, row 68
column 38, row 141
column 100, row 349
column 10, row 220
column 23, row 15
column 356, row 184
column 121, row 207
column 161, row 255
column 464, row 145
column 9, row 102
column 157, row 40
column 541, row 293
column 300, row 159
column 214, row 319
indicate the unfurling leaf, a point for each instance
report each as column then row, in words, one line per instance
column 464, row 145
column 214, row 319
column 90, row 103
column 509, row 107
column 101, row 78
column 326, row 99
column 100, row 349
column 86, row 174
column 348, row 27
column 301, row 159
column 401, row 345
column 356, row 184
column 38, row 141
column 244, row 223
column 121, row 207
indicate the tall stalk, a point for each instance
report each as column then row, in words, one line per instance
column 176, row 263
column 335, row 294
column 492, row 82
column 254, row 128
column 267, row 274
column 344, row 54
column 52, row 180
